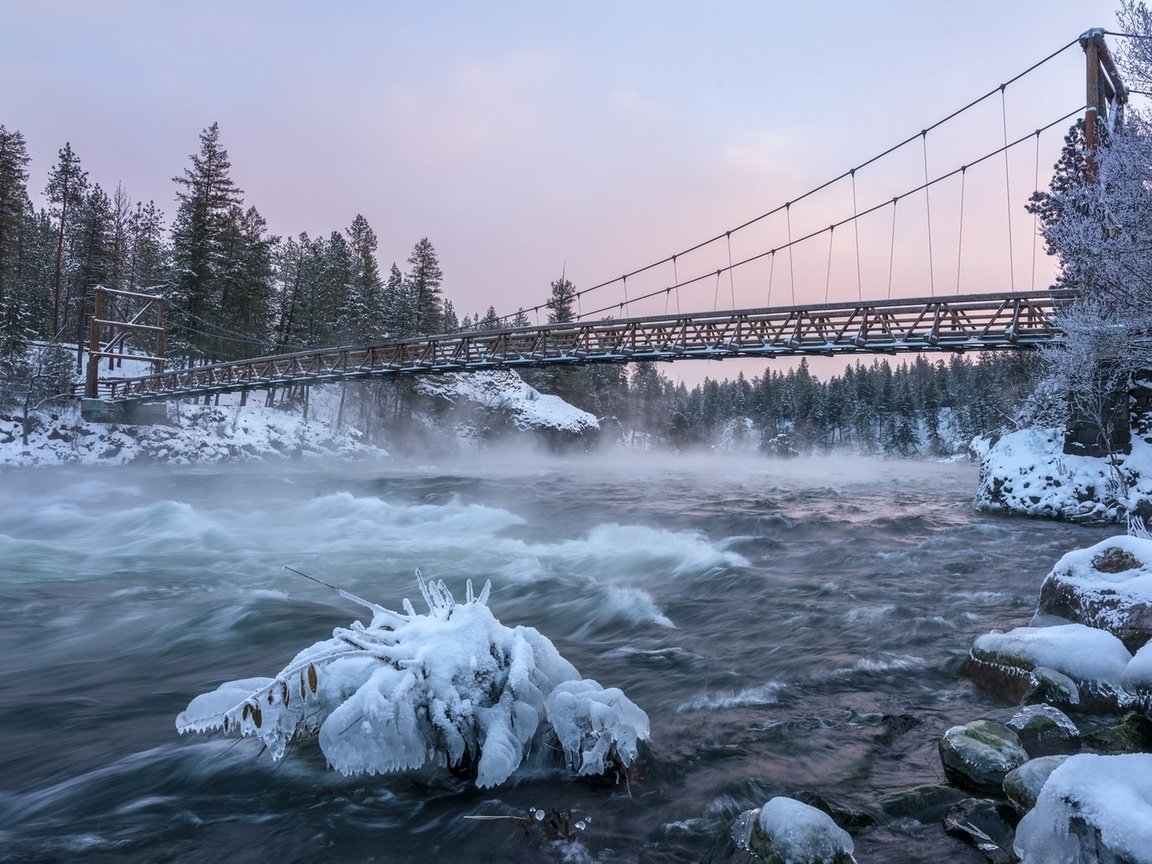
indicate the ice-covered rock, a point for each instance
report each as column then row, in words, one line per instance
column 1022, row 785
column 1107, row 586
column 1137, row 677
column 453, row 688
column 979, row 754
column 1045, row 731
column 787, row 831
column 1091, row 810
column 1094, row 659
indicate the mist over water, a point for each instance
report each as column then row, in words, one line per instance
column 767, row 615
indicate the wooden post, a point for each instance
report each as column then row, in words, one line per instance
column 1090, row 42
column 92, row 373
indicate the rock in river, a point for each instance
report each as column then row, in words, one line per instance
column 979, row 754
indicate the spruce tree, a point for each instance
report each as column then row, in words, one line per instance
column 66, row 191
column 13, row 207
column 424, row 280
column 205, row 200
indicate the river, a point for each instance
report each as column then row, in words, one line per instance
column 789, row 626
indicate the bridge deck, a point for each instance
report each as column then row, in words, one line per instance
column 976, row 322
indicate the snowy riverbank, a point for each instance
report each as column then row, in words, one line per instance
column 461, row 411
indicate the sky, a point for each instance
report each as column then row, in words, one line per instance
column 532, row 139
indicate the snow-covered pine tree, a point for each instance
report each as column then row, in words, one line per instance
column 424, row 280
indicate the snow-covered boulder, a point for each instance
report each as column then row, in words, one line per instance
column 498, row 401
column 1022, row 785
column 979, row 754
column 1022, row 660
column 1108, row 586
column 1091, row 810
column 787, row 831
column 1027, row 472
column 452, row 688
column 1045, row 731
column 984, row 823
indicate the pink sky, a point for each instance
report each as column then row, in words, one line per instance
column 527, row 138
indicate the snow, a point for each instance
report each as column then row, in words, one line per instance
column 1111, row 794
column 199, row 435
column 1082, row 653
column 450, row 688
column 504, row 390
column 1027, row 472
column 1137, row 676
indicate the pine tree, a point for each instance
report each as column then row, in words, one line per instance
column 145, row 247
column 424, row 280
column 364, row 313
column 13, row 207
column 66, row 192
column 205, row 200
column 560, row 303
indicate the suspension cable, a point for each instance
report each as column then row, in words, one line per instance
column 892, row 247
column 869, row 211
column 828, row 269
column 1036, row 191
column 848, row 173
column 791, row 268
column 731, row 279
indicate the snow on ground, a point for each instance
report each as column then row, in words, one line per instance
column 1027, row 472
column 198, row 434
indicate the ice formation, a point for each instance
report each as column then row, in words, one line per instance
column 453, row 688
column 1091, row 808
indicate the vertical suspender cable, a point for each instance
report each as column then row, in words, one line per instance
column 716, row 293
column 828, row 270
column 1035, row 232
column 731, row 280
column 676, row 283
column 771, row 273
column 892, row 248
column 856, row 228
column 1007, row 190
column 791, row 268
column 960, row 239
column 928, row 212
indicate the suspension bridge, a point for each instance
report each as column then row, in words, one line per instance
column 611, row 332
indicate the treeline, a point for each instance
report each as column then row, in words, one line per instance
column 233, row 290
column 917, row 407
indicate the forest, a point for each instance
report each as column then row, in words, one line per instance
column 233, row 290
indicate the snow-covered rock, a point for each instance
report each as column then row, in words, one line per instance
column 1027, row 472
column 979, row 754
column 1137, row 677
column 1022, row 785
column 1091, row 810
column 787, row 831
column 1107, row 586
column 1015, row 663
column 501, row 397
column 452, row 688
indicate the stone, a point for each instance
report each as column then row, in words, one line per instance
column 1045, row 731
column 1093, row 659
column 1107, row 586
column 1133, row 734
column 1023, row 785
column 979, row 754
column 925, row 804
column 986, row 825
column 787, row 831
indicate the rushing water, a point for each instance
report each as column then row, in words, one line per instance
column 767, row 615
